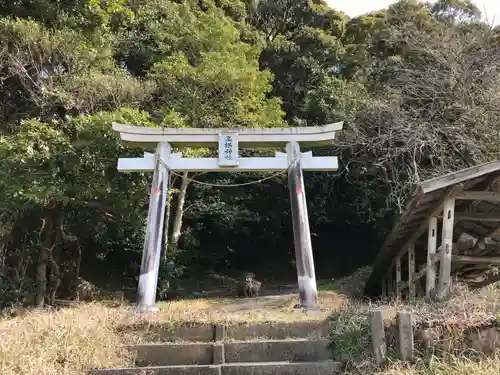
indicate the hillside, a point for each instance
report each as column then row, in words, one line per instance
column 73, row 339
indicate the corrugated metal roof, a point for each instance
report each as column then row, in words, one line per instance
column 413, row 223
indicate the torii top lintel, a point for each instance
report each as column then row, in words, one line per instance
column 247, row 137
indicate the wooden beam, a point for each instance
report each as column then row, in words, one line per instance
column 381, row 259
column 422, row 272
column 480, row 243
column 446, row 247
column 454, row 184
column 247, row 137
column 398, row 278
column 466, row 259
column 430, row 283
column 477, row 216
column 480, row 247
column 447, row 196
column 411, row 269
column 178, row 164
column 493, row 186
column 457, row 189
column 487, row 280
column 480, row 240
column 479, row 196
column 417, row 277
column 460, row 176
column 390, row 284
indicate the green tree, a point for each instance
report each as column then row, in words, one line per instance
column 60, row 183
column 64, row 86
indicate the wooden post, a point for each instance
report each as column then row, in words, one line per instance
column 411, row 269
column 446, row 247
column 150, row 264
column 379, row 344
column 405, row 330
column 430, row 283
column 398, row 277
column 301, row 233
column 390, row 283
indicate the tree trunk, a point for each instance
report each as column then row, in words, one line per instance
column 46, row 245
column 179, row 211
column 78, row 261
column 3, row 257
column 54, row 277
column 167, row 227
column 41, row 277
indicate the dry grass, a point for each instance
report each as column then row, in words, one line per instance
column 72, row 340
column 464, row 308
column 333, row 297
column 255, row 310
column 64, row 342
column 434, row 366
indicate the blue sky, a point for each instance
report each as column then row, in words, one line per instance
column 356, row 7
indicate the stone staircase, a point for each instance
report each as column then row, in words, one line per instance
column 238, row 349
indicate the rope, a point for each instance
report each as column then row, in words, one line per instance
column 231, row 185
column 227, row 185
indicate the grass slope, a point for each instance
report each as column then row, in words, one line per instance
column 71, row 340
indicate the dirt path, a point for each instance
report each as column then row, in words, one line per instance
column 270, row 308
column 272, row 302
column 215, row 302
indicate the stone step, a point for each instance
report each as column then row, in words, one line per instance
column 238, row 332
column 231, row 352
column 277, row 350
column 270, row 368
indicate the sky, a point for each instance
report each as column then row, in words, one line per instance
column 491, row 8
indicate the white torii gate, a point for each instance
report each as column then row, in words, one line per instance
column 228, row 142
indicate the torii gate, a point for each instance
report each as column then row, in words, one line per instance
column 228, row 142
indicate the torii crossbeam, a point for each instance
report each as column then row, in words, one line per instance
column 228, row 142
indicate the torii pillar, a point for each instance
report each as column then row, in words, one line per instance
column 228, row 142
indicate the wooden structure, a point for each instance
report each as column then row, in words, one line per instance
column 449, row 230
column 228, row 142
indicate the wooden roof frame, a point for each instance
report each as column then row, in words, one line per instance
column 427, row 199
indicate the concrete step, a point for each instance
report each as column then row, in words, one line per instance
column 277, row 350
column 270, row 368
column 301, row 350
column 239, row 332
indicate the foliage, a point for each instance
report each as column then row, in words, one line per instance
column 416, row 85
column 221, row 90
